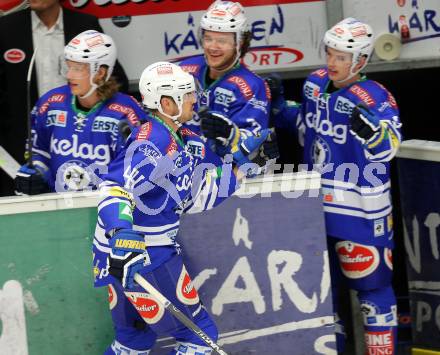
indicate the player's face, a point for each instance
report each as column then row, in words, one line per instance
column 188, row 107
column 78, row 77
column 338, row 64
column 42, row 5
column 219, row 48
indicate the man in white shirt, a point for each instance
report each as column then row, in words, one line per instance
column 49, row 26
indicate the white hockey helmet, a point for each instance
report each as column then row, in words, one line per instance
column 94, row 48
column 225, row 16
column 351, row 36
column 165, row 79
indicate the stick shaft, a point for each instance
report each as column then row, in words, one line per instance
column 178, row 314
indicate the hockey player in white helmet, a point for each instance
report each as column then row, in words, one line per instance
column 75, row 126
column 158, row 176
column 347, row 121
column 228, row 87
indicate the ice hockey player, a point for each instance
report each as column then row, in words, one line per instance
column 161, row 173
column 227, row 86
column 75, row 127
column 350, row 130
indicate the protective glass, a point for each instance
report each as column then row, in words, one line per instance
column 338, row 58
column 222, row 41
column 74, row 70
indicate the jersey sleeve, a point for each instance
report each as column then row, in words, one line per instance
column 41, row 132
column 386, row 144
column 249, row 111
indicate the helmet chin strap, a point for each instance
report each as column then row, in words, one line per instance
column 93, row 86
column 173, row 118
column 352, row 74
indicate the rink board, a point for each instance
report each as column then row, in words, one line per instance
column 259, row 262
column 419, row 171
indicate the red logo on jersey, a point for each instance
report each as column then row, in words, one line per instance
column 185, row 132
column 144, row 131
column 112, row 297
column 391, row 98
column 172, row 147
column 186, row 292
column 388, row 256
column 320, row 73
column 363, row 95
column 149, row 309
column 14, row 55
column 357, row 260
column 190, row 68
column 268, row 94
column 53, row 98
column 379, row 343
column 127, row 111
column 243, row 86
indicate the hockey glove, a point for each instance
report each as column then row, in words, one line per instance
column 127, row 256
column 30, row 181
column 364, row 125
column 276, row 88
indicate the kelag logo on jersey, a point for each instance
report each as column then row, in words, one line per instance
column 105, row 124
column 223, row 96
column 343, row 105
column 56, row 118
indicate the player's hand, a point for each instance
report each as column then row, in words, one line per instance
column 128, row 256
column 217, row 126
column 30, row 181
column 364, row 124
column 275, row 84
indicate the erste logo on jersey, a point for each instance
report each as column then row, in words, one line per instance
column 343, row 105
column 196, row 148
column 363, row 95
column 357, row 260
column 149, row 309
column 56, row 118
column 311, row 90
column 223, row 96
column 186, row 292
column 105, row 124
column 242, row 84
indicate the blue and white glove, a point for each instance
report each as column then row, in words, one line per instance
column 364, row 125
column 30, row 181
column 127, row 256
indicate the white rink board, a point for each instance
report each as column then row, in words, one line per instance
column 422, row 17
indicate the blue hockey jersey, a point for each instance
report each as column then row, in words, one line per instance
column 239, row 94
column 71, row 146
column 157, row 177
column 355, row 177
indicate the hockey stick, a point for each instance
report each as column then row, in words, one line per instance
column 28, row 107
column 178, row 314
